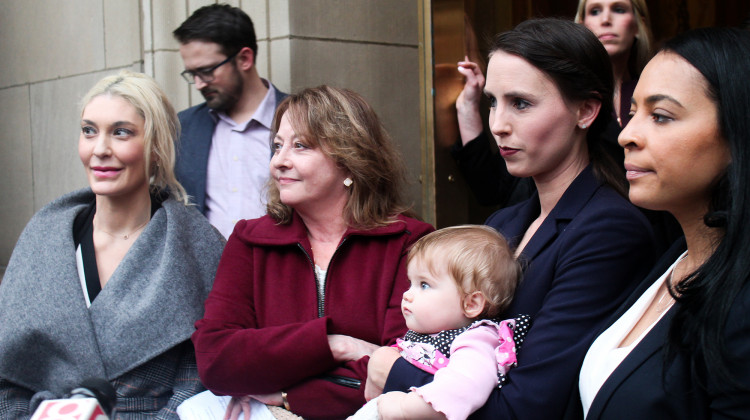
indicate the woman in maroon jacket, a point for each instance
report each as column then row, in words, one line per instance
column 306, row 293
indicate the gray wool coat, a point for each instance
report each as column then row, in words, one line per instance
column 50, row 341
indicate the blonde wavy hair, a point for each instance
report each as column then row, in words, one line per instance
column 347, row 130
column 643, row 49
column 161, row 126
column 477, row 258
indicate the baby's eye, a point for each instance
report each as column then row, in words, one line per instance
column 424, row 286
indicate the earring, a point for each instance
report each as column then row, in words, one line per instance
column 583, row 126
column 348, row 182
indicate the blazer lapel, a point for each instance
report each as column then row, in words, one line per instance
column 192, row 160
column 570, row 204
column 518, row 220
column 651, row 344
column 546, row 233
column 661, row 266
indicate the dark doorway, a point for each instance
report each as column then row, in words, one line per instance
column 463, row 28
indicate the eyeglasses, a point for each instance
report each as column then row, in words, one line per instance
column 206, row 75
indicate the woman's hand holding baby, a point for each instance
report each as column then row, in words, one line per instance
column 349, row 349
column 378, row 368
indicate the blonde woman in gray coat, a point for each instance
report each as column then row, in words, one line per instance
column 107, row 282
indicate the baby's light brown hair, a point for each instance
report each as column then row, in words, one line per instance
column 477, row 258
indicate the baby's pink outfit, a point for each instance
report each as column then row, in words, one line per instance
column 480, row 357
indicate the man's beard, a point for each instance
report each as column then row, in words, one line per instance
column 224, row 99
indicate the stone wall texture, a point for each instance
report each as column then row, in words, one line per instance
column 54, row 51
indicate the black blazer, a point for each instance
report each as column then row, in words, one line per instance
column 640, row 388
column 585, row 258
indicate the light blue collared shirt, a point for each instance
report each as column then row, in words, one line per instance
column 238, row 166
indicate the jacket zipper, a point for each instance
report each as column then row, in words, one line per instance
column 321, row 298
column 337, row 379
column 317, row 282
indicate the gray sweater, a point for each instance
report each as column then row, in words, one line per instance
column 50, row 340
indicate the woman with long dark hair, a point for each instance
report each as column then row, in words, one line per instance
column 680, row 345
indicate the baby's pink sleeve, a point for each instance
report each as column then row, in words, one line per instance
column 464, row 385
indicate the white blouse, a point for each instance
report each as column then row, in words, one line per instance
column 605, row 354
column 82, row 275
column 321, row 276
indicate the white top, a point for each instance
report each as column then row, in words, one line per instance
column 321, row 275
column 82, row 275
column 606, row 354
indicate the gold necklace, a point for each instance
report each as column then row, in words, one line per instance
column 126, row 236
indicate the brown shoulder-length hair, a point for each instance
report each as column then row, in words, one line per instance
column 347, row 130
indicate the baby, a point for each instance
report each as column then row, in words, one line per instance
column 460, row 278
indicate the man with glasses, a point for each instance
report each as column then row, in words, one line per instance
column 224, row 149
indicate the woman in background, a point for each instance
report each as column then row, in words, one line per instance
column 624, row 28
column 108, row 281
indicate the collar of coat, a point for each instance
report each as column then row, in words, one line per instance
column 267, row 232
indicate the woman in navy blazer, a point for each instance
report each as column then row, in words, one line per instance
column 583, row 244
column 680, row 345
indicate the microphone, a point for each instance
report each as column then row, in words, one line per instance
column 93, row 399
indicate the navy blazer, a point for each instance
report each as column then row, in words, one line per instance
column 191, row 167
column 640, row 388
column 584, row 259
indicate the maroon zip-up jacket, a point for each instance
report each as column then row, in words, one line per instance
column 265, row 327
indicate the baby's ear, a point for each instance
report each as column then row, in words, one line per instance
column 474, row 304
